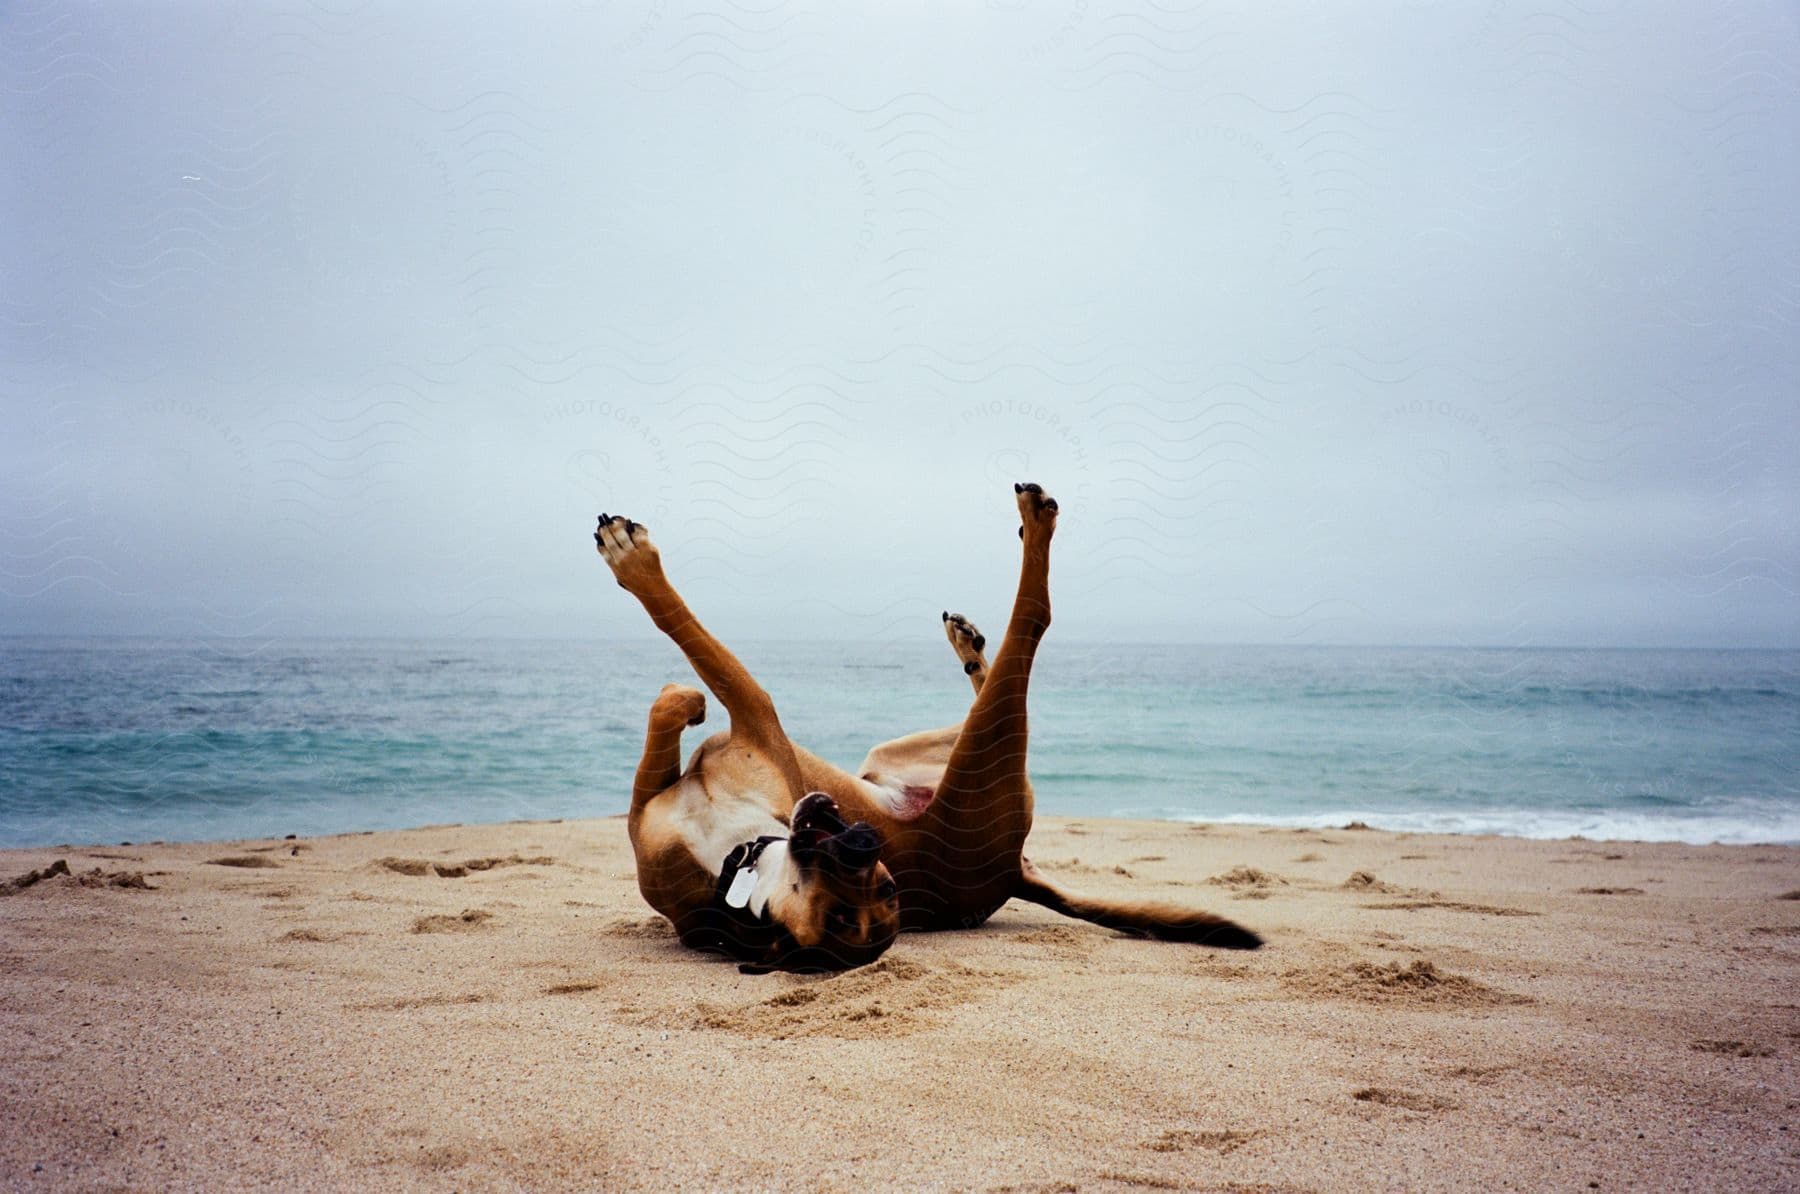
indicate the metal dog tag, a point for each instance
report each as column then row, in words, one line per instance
column 738, row 894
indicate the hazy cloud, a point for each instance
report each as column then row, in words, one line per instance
column 1424, row 323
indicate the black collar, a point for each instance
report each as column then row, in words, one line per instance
column 742, row 855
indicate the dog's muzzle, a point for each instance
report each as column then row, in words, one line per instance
column 857, row 847
column 819, row 829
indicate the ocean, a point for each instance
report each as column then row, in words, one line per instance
column 110, row 740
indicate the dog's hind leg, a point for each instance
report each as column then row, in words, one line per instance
column 637, row 565
column 968, row 643
column 909, row 768
column 972, row 835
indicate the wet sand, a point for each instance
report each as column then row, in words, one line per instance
column 494, row 1007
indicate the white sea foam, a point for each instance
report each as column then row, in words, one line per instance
column 1777, row 827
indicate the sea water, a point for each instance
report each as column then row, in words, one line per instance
column 108, row 740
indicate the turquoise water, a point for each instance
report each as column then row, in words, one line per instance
column 108, row 740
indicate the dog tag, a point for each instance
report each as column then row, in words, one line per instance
column 738, row 894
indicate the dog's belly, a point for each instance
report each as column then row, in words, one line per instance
column 903, row 797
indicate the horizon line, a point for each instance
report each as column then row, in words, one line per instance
column 814, row 639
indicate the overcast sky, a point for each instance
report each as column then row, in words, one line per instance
column 1416, row 323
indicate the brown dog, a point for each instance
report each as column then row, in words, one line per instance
column 763, row 851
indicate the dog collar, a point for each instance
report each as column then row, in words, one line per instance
column 737, row 878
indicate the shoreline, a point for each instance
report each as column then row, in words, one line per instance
column 1315, row 823
column 495, row 1006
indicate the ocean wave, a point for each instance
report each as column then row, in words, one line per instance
column 192, row 739
column 1775, row 826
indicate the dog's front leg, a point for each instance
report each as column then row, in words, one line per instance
column 637, row 565
column 676, row 708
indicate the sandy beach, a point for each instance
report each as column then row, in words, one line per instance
column 493, row 1007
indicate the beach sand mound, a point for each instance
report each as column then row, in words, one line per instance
column 59, row 869
column 1419, row 983
column 1074, row 866
column 1430, row 899
column 416, row 1002
column 470, row 920
column 640, row 928
column 1408, row 1100
column 1177, row 1140
column 893, row 997
column 419, row 868
column 96, row 877
column 1247, row 876
column 1733, row 1048
column 34, row 876
column 1063, row 942
column 308, row 936
column 576, row 987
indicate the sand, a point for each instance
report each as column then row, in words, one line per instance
column 493, row 1007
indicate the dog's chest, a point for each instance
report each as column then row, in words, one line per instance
column 712, row 822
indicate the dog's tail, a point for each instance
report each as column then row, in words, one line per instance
column 1165, row 922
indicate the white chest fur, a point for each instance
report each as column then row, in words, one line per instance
column 771, row 876
column 711, row 825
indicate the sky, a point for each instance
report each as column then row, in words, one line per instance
column 1409, row 323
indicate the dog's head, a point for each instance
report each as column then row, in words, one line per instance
column 821, row 899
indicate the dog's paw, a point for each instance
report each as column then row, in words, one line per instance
column 678, row 705
column 1037, row 509
column 966, row 641
column 625, row 546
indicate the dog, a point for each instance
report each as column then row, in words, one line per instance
column 762, row 851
